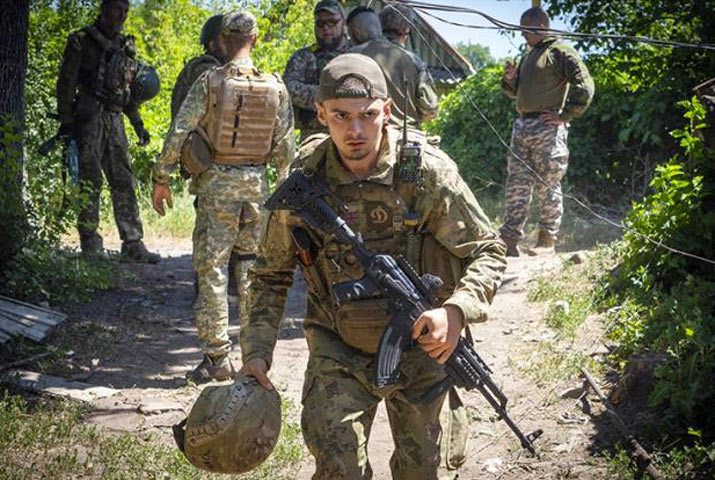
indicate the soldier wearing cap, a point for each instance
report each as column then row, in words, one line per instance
column 406, row 75
column 302, row 71
column 234, row 120
column 552, row 87
column 93, row 90
column 425, row 212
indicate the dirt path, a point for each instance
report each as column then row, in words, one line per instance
column 140, row 338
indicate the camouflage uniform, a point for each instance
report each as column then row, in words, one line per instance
column 449, row 236
column 92, row 92
column 398, row 64
column 551, row 77
column 228, row 215
column 301, row 76
column 186, row 78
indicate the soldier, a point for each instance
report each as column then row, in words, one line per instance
column 396, row 21
column 234, row 120
column 399, row 65
column 93, row 89
column 552, row 86
column 429, row 215
column 302, row 72
column 199, row 64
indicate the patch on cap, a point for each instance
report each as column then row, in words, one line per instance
column 352, row 75
column 239, row 23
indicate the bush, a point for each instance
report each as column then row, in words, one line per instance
column 671, row 297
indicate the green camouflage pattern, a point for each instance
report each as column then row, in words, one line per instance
column 337, row 384
column 551, row 77
column 544, row 149
column 302, row 76
column 228, row 212
column 188, row 75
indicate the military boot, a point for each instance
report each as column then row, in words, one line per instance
column 545, row 241
column 136, row 252
column 212, row 368
column 511, row 245
column 92, row 245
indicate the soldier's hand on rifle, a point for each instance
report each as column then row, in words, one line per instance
column 143, row 134
column 257, row 368
column 161, row 192
column 443, row 327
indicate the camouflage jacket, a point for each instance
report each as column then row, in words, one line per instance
column 551, row 77
column 79, row 95
column 399, row 64
column 301, row 76
column 449, row 235
column 188, row 75
column 193, row 110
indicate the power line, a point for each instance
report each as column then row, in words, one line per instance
column 659, row 244
column 501, row 25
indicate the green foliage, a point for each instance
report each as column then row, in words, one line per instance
column 683, row 462
column 466, row 137
column 51, row 438
column 478, row 55
column 668, row 298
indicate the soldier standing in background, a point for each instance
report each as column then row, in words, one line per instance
column 302, row 71
column 396, row 21
column 399, row 65
column 199, row 64
column 552, row 86
column 431, row 217
column 241, row 119
column 93, row 89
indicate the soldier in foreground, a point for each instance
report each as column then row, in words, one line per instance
column 234, row 120
column 431, row 217
column 405, row 73
column 303, row 69
column 93, row 89
column 552, row 86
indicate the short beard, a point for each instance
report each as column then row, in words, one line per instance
column 332, row 44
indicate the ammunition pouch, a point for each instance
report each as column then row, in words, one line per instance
column 196, row 154
column 360, row 323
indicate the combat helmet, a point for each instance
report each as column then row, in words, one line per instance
column 231, row 428
column 146, row 84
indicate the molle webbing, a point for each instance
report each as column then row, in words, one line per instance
column 242, row 110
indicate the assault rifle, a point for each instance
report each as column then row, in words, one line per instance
column 408, row 295
column 70, row 153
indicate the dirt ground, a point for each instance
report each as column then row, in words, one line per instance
column 140, row 338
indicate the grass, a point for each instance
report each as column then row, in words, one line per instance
column 548, row 363
column 49, row 440
column 692, row 462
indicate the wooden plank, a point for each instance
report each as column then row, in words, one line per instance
column 31, row 311
column 15, row 327
column 35, row 317
column 4, row 337
column 58, row 386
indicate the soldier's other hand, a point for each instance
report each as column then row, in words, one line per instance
column 258, row 369
column 143, row 134
column 437, row 331
column 161, row 192
column 66, row 130
column 509, row 71
column 551, row 118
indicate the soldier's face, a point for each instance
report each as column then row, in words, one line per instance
column 355, row 124
column 329, row 29
column 114, row 14
column 532, row 38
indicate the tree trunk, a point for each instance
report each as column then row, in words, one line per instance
column 14, row 24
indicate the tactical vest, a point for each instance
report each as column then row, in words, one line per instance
column 116, row 69
column 241, row 114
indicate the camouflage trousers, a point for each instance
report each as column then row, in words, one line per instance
column 103, row 147
column 339, row 405
column 544, row 150
column 228, row 217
